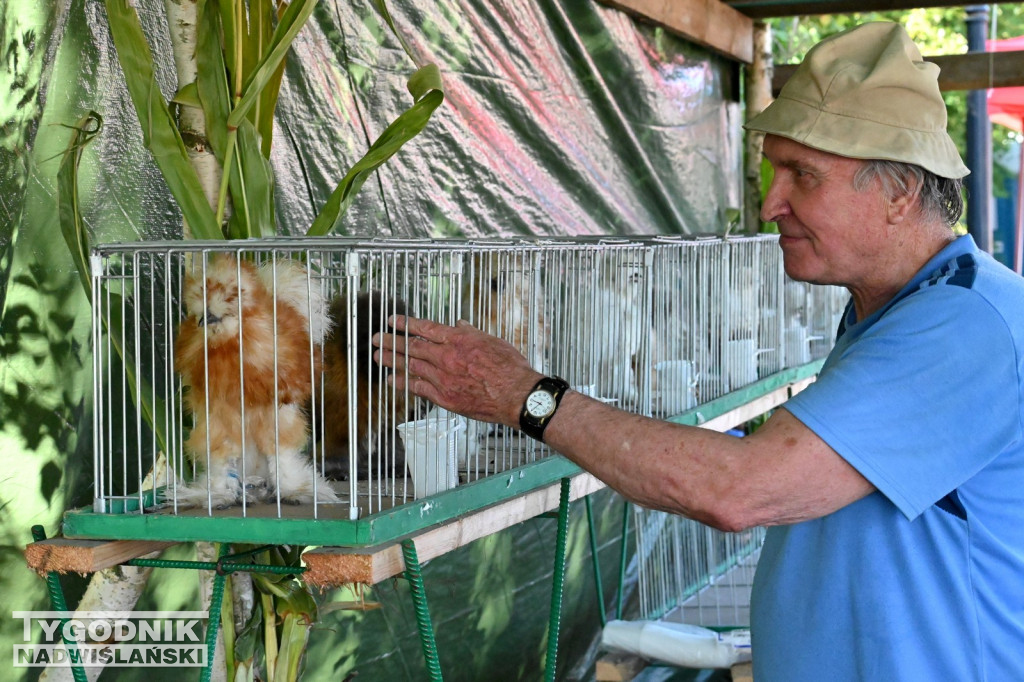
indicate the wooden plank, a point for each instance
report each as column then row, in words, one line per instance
column 743, row 672
column 86, row 556
column 748, row 411
column 798, row 386
column 764, row 9
column 974, row 71
column 333, row 566
column 710, row 23
column 618, row 667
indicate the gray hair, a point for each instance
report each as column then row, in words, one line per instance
column 940, row 198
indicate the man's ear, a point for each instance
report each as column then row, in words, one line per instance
column 901, row 205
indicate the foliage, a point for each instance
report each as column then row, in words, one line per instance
column 239, row 56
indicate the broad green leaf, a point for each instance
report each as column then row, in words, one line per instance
column 425, row 86
column 159, row 131
column 211, row 81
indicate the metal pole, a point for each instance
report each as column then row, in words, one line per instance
column 979, row 141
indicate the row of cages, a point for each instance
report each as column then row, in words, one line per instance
column 237, row 378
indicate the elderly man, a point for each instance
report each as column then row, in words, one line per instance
column 894, row 485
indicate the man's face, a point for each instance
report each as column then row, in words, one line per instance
column 829, row 232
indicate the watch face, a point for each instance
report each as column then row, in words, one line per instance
column 540, row 404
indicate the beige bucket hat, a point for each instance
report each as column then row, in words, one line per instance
column 866, row 93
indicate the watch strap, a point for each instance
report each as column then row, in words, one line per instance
column 534, row 426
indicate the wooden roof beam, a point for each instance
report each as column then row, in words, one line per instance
column 765, row 9
column 973, row 71
column 710, row 23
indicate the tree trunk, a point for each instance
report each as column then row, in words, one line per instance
column 759, row 96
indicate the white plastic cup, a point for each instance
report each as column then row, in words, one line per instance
column 677, row 386
column 432, row 446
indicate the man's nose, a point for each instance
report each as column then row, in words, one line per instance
column 775, row 204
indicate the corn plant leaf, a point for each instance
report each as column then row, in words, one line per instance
column 382, row 9
column 159, row 132
column 252, row 183
column 188, row 95
column 264, row 118
column 226, row 10
column 73, row 229
column 294, row 636
column 250, row 176
column 71, row 225
column 425, row 87
column 288, row 27
column 211, row 81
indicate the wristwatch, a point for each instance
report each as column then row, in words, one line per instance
column 540, row 406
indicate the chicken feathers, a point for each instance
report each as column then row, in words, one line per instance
column 247, row 361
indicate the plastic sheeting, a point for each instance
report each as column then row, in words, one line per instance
column 560, row 118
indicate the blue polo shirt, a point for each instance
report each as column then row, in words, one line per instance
column 922, row 580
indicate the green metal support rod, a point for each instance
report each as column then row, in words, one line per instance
column 596, row 561
column 557, row 583
column 225, row 565
column 57, row 600
column 419, row 600
column 213, row 622
column 622, row 558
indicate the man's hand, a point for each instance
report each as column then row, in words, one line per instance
column 459, row 368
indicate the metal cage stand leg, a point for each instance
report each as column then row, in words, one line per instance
column 419, row 600
column 626, row 507
column 598, row 587
column 57, row 602
column 557, row 583
column 213, row 622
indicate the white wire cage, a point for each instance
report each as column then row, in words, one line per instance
column 237, row 378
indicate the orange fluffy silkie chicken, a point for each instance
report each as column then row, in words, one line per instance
column 249, row 401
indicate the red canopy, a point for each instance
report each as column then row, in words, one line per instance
column 1006, row 105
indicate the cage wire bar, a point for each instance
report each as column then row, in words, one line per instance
column 654, row 325
column 758, row 322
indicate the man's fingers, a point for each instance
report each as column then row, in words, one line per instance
column 403, row 365
column 415, row 385
column 415, row 326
